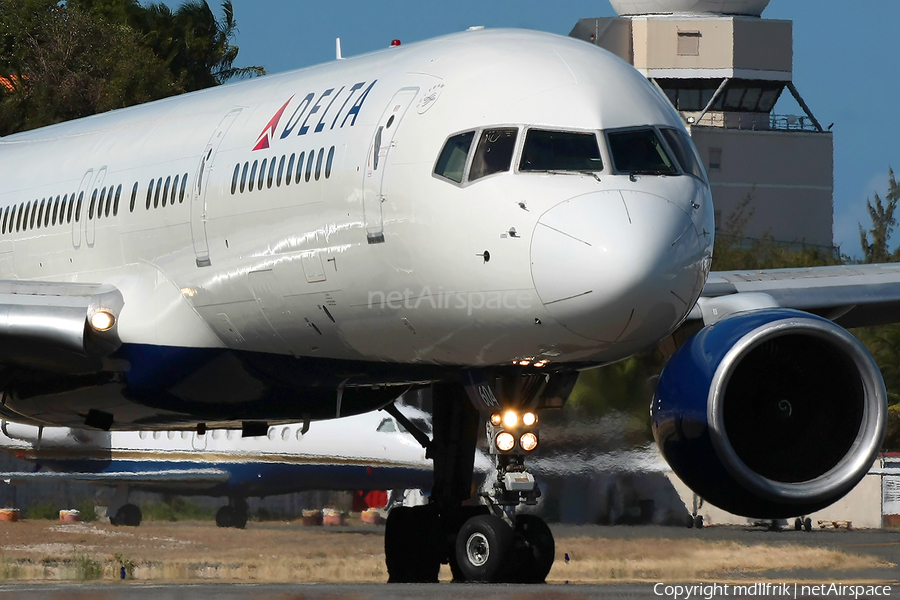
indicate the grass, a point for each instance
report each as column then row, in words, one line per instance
column 689, row 560
column 177, row 508
column 194, row 550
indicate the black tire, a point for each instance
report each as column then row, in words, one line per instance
column 239, row 519
column 698, row 522
column 225, row 517
column 798, row 524
column 465, row 513
column 412, row 545
column 807, row 524
column 128, row 515
column 534, row 551
column 483, row 546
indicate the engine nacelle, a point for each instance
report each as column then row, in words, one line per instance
column 771, row 413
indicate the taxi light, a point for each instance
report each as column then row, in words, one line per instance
column 528, row 441
column 505, row 441
column 510, row 419
column 529, row 419
column 496, row 419
column 102, row 320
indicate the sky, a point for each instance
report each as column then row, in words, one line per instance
column 846, row 63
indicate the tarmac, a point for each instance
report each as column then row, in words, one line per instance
column 867, row 583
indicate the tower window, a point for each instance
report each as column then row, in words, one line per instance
column 715, row 159
column 688, row 43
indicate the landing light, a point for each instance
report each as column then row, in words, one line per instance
column 102, row 320
column 496, row 419
column 505, row 441
column 510, row 419
column 528, row 441
column 529, row 419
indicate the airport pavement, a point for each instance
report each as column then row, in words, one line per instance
column 882, row 544
column 335, row 591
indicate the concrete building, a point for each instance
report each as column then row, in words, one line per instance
column 724, row 73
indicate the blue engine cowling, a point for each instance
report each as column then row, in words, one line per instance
column 770, row 413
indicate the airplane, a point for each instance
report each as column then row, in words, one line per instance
column 485, row 214
column 371, row 451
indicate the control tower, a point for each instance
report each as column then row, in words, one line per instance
column 724, row 67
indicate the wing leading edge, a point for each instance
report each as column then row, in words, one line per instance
column 849, row 295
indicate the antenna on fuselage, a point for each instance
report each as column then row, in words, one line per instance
column 337, row 49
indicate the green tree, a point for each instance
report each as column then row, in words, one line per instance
column 64, row 60
column 883, row 342
column 883, row 223
column 194, row 44
column 734, row 252
column 66, row 63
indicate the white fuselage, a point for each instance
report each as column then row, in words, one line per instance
column 365, row 254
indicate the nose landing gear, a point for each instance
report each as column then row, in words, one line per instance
column 483, row 543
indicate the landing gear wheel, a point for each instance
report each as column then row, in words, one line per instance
column 240, row 519
column 807, row 524
column 798, row 524
column 697, row 522
column 412, row 545
column 534, row 550
column 225, row 517
column 483, row 548
column 465, row 513
column 128, row 515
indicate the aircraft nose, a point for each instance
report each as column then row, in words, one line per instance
column 617, row 265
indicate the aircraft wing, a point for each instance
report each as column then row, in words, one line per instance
column 206, row 476
column 849, row 295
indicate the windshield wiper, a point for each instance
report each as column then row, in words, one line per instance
column 588, row 173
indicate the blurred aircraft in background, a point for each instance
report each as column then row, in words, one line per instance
column 372, row 451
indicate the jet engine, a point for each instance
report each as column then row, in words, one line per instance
column 770, row 413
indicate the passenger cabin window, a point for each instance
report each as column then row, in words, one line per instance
column 451, row 163
column 290, row 169
column 640, row 152
column 493, row 153
column 329, row 162
column 560, row 151
column 683, row 148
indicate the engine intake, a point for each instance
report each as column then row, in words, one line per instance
column 771, row 413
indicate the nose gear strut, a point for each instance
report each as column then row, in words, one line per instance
column 487, row 542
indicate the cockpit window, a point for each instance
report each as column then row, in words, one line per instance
column 452, row 162
column 386, row 426
column 640, row 152
column 683, row 148
column 494, row 152
column 560, row 151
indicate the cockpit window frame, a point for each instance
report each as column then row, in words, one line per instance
column 693, row 150
column 470, row 157
column 659, row 136
column 598, row 134
column 465, row 172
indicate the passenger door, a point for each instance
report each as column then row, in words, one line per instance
column 374, row 186
column 199, row 196
column 80, row 209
